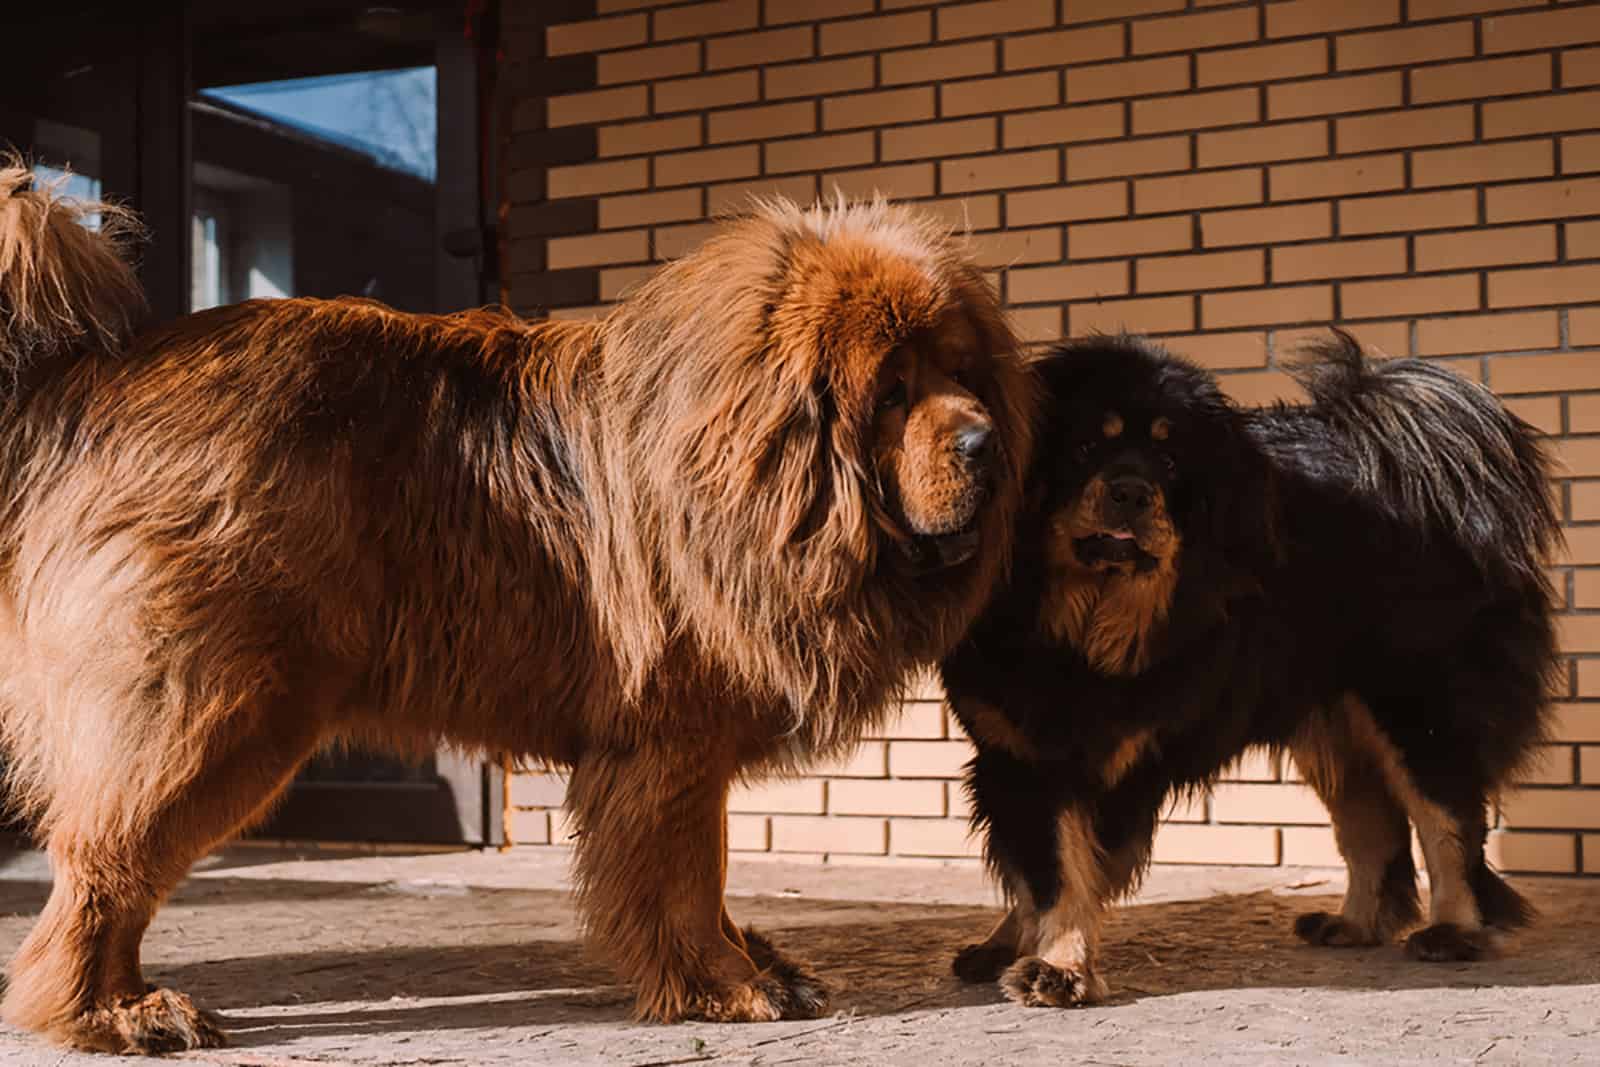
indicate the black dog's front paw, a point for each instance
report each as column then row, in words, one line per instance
column 982, row 962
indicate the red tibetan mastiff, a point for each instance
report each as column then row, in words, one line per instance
column 1359, row 580
column 704, row 537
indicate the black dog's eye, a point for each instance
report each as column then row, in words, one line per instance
column 894, row 398
column 1170, row 463
column 1084, row 450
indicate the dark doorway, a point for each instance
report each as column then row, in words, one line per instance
column 286, row 148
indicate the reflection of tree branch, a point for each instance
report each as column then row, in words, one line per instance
column 398, row 108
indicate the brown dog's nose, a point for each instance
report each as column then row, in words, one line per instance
column 973, row 442
column 1130, row 496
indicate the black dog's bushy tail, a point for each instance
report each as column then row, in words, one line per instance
column 1441, row 451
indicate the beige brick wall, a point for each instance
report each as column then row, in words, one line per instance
column 1230, row 176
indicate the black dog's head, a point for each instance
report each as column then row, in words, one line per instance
column 1140, row 452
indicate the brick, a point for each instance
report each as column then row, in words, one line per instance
column 1583, row 545
column 1148, row 156
column 819, row 153
column 1339, row 259
column 1419, row 10
column 947, row 61
column 761, row 123
column 928, row 759
column 1259, row 225
column 964, row 214
column 933, row 837
column 1245, row 845
column 1158, row 314
column 661, row 135
column 595, row 35
column 1580, row 154
column 1010, row 247
column 1583, row 409
column 1411, row 211
column 1550, row 808
column 818, row 78
column 1300, row 17
column 1062, row 125
column 903, row 182
column 1008, row 92
column 1543, row 413
column 1483, row 163
column 1261, row 63
column 1579, row 66
column 779, row 12
column 939, row 140
column 1532, row 853
column 1517, row 331
column 866, row 796
column 593, row 179
column 538, row 790
column 642, row 209
column 1180, row 33
column 708, row 165
column 1063, row 47
column 916, row 721
column 737, row 196
column 877, row 109
column 1389, row 338
column 1259, row 389
column 789, row 796
column 1093, row 240
column 1585, row 582
column 1013, row 170
column 1484, row 78
column 648, row 64
column 870, row 759
column 1183, row 192
column 674, row 241
column 1067, row 203
column 1521, row 33
column 1095, row 10
column 617, row 282
column 810, row 833
column 1545, row 374
column 1585, row 501
column 1340, row 177
column 1193, row 111
column 1544, row 285
column 1488, row 247
column 529, row 828
column 1107, row 81
column 1542, row 200
column 875, row 34
column 1075, row 281
column 1548, row 765
column 1283, row 304
column 1400, row 48
column 1037, row 325
column 1403, row 129
column 1252, row 802
column 1406, row 296
column 753, row 49
column 714, row 90
column 1185, row 809
column 1210, row 270
column 702, row 20
column 1541, row 114
column 990, row 17
column 1589, row 764
column 1335, row 96
column 1297, row 140
column 1223, row 351
column 749, row 833
column 1310, row 846
column 602, row 105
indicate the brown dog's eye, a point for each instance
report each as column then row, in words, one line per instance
column 894, row 398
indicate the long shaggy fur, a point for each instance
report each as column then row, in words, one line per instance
column 680, row 545
column 1360, row 581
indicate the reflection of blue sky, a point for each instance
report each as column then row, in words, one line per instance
column 389, row 115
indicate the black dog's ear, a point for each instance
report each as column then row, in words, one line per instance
column 1243, row 501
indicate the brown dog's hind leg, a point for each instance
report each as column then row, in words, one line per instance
column 77, row 976
column 651, row 868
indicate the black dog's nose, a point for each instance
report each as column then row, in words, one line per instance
column 973, row 442
column 1131, row 495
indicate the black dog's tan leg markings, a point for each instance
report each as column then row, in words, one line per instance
column 1373, row 834
column 1061, row 971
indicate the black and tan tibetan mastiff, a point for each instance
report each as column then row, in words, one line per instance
column 1358, row 580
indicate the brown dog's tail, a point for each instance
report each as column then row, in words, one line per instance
column 66, row 281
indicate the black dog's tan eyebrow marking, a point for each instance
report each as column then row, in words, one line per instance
column 1160, row 428
column 1112, row 426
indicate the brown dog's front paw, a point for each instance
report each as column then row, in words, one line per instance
column 1447, row 942
column 782, row 989
column 982, row 962
column 1036, row 983
column 1335, row 931
column 160, row 1021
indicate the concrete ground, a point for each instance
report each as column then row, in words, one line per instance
column 473, row 958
